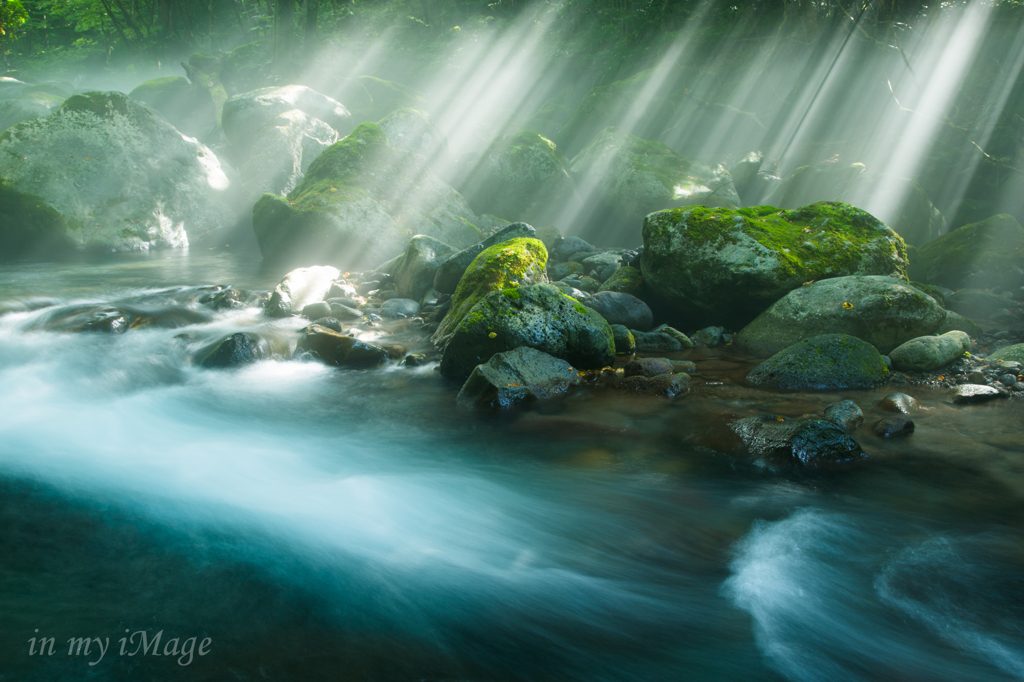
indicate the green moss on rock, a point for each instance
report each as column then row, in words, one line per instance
column 830, row 361
column 982, row 255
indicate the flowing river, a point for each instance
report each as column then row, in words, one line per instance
column 311, row 523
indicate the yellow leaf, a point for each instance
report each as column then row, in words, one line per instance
column 492, row 335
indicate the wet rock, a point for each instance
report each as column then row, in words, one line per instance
column 648, row 367
column 451, row 270
column 300, row 288
column 626, row 279
column 510, row 264
column 814, row 444
column 846, row 414
column 899, row 402
column 660, row 386
column 593, row 264
column 623, row 309
column 976, row 377
column 344, row 312
column 883, row 311
column 333, row 348
column 655, row 342
column 557, row 271
column 316, row 310
column 711, row 265
column 1014, row 353
column 415, row 270
column 570, row 245
column 892, row 427
column 1008, row 380
column 521, row 375
column 245, row 114
column 331, row 323
column 709, row 337
column 830, row 361
column 589, row 284
column 230, row 299
column 399, row 307
column 969, row 394
column 624, row 341
column 981, row 255
column 538, row 316
column 684, row 341
column 238, row 349
column 683, row 367
column 928, row 353
column 416, row 360
column 343, row 290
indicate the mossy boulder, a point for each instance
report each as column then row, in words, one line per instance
column 14, row 111
column 188, row 108
column 450, row 272
column 29, row 225
column 928, row 353
column 121, row 177
column 358, row 204
column 826, row 362
column 411, row 130
column 626, row 280
column 245, row 114
column 985, row 255
column 1013, row 353
column 520, row 177
column 414, row 272
column 520, row 376
column 538, row 316
column 883, row 311
column 510, row 264
column 623, row 178
column 718, row 266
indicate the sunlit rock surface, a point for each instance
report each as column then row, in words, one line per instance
column 883, row 311
column 245, row 114
column 122, row 178
column 411, row 130
column 520, row 177
column 984, row 255
column 717, row 266
column 358, row 205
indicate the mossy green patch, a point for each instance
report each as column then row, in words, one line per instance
column 982, row 255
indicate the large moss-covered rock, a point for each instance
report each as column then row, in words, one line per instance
column 281, row 152
column 358, row 204
column 717, row 266
column 626, row 280
column 520, row 177
column 245, row 114
column 883, row 311
column 121, row 177
column 520, row 376
column 510, row 264
column 830, row 361
column 188, row 108
column 623, row 178
column 984, row 255
column 928, row 353
column 450, row 272
column 1014, row 353
column 538, row 316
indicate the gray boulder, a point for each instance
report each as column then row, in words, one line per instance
column 121, row 177
column 396, row 308
column 622, row 309
column 236, row 350
column 299, row 288
column 716, row 266
column 538, row 316
column 829, row 361
column 187, row 107
column 450, row 271
column 416, row 268
column 814, row 444
column 625, row 344
column 927, row 353
column 884, row 311
column 518, row 376
column 1014, row 353
column 245, row 114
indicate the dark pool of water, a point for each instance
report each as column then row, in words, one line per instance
column 319, row 524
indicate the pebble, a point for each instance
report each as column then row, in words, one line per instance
column 891, row 427
column 1008, row 380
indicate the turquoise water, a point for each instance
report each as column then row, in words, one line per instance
column 314, row 523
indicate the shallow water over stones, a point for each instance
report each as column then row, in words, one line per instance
column 320, row 523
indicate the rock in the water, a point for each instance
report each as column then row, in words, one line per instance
column 709, row 337
column 300, row 288
column 121, row 177
column 969, row 394
column 927, row 353
column 514, row 263
column 984, row 255
column 846, row 414
column 624, row 341
column 331, row 323
column 622, row 309
column 343, row 311
column 663, row 339
column 520, row 177
column 899, row 402
column 829, row 361
column 336, row 349
column 625, row 177
column 538, row 316
column 188, row 108
column 626, row 280
column 357, row 204
column 659, row 386
column 648, row 367
column 708, row 265
column 399, row 307
column 892, row 427
column 815, row 444
column 451, row 270
column 415, row 270
column 245, row 114
column 521, row 375
column 238, row 349
column 1014, row 353
column 316, row 310
column 883, row 311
